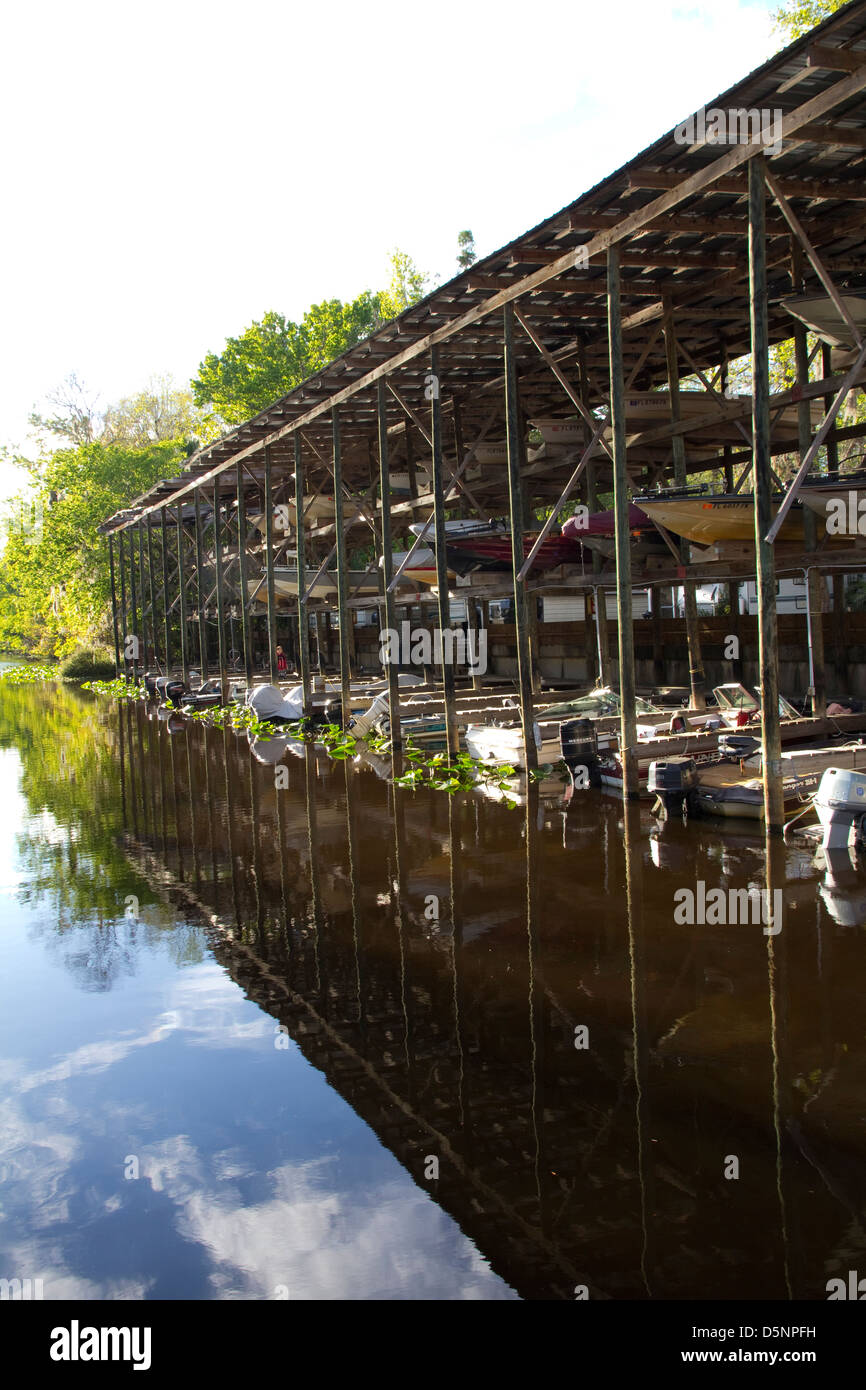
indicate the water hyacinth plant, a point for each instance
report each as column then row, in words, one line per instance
column 27, row 675
column 121, row 688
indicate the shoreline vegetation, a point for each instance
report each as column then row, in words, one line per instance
column 86, row 463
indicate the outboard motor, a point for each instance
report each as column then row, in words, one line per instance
column 674, row 781
column 578, row 740
column 738, row 745
column 331, row 712
column 172, row 691
column 841, row 805
column 150, row 679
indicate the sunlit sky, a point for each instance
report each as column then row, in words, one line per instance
column 172, row 171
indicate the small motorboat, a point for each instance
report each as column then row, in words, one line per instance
column 269, row 704
column 706, row 518
column 819, row 313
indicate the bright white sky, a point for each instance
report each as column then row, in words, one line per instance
column 171, row 171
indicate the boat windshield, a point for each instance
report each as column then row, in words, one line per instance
column 598, row 702
column 735, row 697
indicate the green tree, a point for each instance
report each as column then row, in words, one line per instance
column 466, row 253
column 407, row 285
column 273, row 356
column 162, row 411
column 797, row 17
column 54, row 575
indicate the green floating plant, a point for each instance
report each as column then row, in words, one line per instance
column 28, row 675
column 339, row 743
column 121, row 688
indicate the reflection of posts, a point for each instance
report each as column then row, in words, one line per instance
column 633, row 846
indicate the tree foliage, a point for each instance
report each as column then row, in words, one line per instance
column 274, row 355
column 797, row 17
column 466, row 253
column 54, row 572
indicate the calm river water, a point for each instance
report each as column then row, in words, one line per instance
column 288, row 1032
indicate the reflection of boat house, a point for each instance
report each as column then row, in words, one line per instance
column 599, row 1166
column 668, row 269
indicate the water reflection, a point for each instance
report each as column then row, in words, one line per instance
column 504, row 991
column 437, row 960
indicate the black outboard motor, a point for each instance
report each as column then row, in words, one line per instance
column 172, row 691
column 674, row 781
column 578, row 740
column 738, row 745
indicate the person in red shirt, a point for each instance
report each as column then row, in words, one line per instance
column 282, row 664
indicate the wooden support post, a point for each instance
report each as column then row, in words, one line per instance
column 345, row 614
column 658, row 640
column 181, row 581
column 141, row 589
column 768, row 648
column 220, row 597
column 133, row 606
column 628, row 723
column 515, row 507
column 473, row 640
column 151, row 586
column 831, row 446
column 815, row 585
column 117, row 662
column 200, row 590
column 387, row 605
column 322, row 648
column 246, row 620
column 166, row 614
column 269, row 569
column 303, row 615
column 840, row 642
column 446, row 649
column 697, row 679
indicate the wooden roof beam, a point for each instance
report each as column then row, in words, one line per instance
column 824, row 55
column 736, row 183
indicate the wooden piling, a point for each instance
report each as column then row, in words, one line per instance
column 220, row 598
column 144, row 619
column 768, row 648
column 697, row 677
column 628, row 723
column 387, row 609
column 303, row 615
column 344, row 612
column 446, row 654
column 246, row 634
column 133, row 606
column 200, row 591
column 269, row 568
column 117, row 664
column 166, row 613
column 815, row 585
column 181, row 584
column 515, row 508
column 151, row 587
